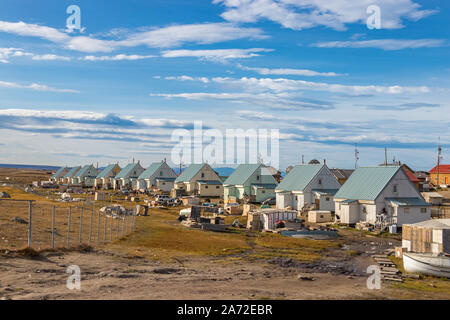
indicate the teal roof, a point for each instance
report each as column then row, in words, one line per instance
column 72, row 172
column 242, row 174
column 125, row 171
column 83, row 170
column 150, row 170
column 58, row 172
column 366, row 183
column 408, row 202
column 106, row 171
column 189, row 172
column 299, row 177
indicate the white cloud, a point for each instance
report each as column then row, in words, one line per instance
column 118, row 57
column 36, row 87
column 187, row 78
column 165, row 37
column 216, row 54
column 303, row 14
column 385, row 44
column 292, row 72
column 49, row 57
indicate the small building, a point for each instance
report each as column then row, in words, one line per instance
column 380, row 196
column 254, row 181
column 443, row 171
column 157, row 176
column 200, row 179
column 433, row 198
column 60, row 173
column 342, row 175
column 266, row 219
column 310, row 186
column 105, row 178
column 67, row 179
column 431, row 236
column 317, row 216
column 128, row 176
column 86, row 176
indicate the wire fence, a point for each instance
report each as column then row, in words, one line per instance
column 26, row 223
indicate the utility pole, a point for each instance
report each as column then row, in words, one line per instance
column 356, row 156
column 181, row 165
column 439, row 161
column 303, row 159
column 385, row 157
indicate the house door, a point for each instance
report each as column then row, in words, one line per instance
column 317, row 204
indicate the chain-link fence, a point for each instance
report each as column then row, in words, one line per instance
column 26, row 223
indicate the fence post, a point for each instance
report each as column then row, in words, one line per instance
column 117, row 227
column 110, row 227
column 81, row 226
column 68, row 227
column 53, row 227
column 90, row 226
column 104, row 229
column 30, row 216
column 98, row 226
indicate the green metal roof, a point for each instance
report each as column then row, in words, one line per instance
column 72, row 172
column 125, row 171
column 189, row 172
column 106, row 171
column 58, row 172
column 366, row 183
column 83, row 170
column 150, row 170
column 407, row 202
column 299, row 177
column 242, row 173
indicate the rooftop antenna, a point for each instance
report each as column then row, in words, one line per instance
column 356, row 155
column 181, row 165
column 303, row 159
column 133, row 159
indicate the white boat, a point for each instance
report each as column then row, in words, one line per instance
column 438, row 266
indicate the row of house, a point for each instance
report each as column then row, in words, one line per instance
column 369, row 194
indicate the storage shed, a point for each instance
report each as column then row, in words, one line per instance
column 431, row 236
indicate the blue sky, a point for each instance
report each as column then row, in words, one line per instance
column 140, row 69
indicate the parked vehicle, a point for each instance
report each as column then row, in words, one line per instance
column 164, row 200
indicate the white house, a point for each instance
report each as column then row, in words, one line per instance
column 127, row 178
column 200, row 179
column 106, row 176
column 85, row 176
column 60, row 173
column 308, row 186
column 253, row 180
column 67, row 179
column 159, row 176
column 381, row 195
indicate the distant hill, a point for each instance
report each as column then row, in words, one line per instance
column 223, row 172
column 29, row 166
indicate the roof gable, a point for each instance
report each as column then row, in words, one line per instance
column 58, row 172
column 366, row 183
column 242, row 173
column 127, row 170
column 151, row 170
column 83, row 170
column 190, row 172
column 72, row 172
column 106, row 171
column 299, row 177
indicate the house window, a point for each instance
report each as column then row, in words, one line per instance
column 395, row 188
column 406, row 210
column 364, row 209
column 206, row 187
column 257, row 177
column 217, row 187
column 296, row 198
column 264, row 191
column 423, row 210
column 320, row 181
column 163, row 183
column 161, row 173
column 327, row 198
column 203, row 175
